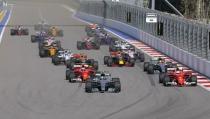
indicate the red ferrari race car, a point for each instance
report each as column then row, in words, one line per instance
column 178, row 76
column 78, row 59
column 119, row 59
column 80, row 73
column 88, row 44
column 19, row 30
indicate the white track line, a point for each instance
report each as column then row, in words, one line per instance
column 3, row 30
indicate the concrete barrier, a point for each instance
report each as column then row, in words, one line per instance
column 196, row 63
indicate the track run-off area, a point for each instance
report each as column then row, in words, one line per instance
column 33, row 88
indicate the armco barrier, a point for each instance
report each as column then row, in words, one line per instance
column 188, row 59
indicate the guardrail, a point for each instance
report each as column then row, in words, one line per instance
column 191, row 60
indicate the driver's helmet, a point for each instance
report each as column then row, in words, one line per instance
column 103, row 76
column 83, row 69
column 88, row 39
column 19, row 27
column 84, row 66
column 160, row 60
column 83, row 56
column 53, row 27
column 42, row 22
column 66, row 51
column 37, row 32
column 50, row 38
column 179, row 68
column 42, row 33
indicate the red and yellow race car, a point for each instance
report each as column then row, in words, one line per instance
column 178, row 76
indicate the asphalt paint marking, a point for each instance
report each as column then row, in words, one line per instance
column 68, row 8
column 3, row 30
column 41, row 15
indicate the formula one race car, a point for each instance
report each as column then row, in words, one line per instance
column 55, row 32
column 134, row 54
column 78, row 59
column 103, row 82
column 105, row 38
column 49, row 41
column 158, row 64
column 42, row 26
column 49, row 48
column 50, row 30
column 177, row 76
column 39, row 36
column 62, row 57
column 119, row 45
column 119, row 59
column 88, row 43
column 81, row 72
column 94, row 29
column 48, row 51
column 19, row 30
column 90, row 27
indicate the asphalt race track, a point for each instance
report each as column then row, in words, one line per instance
column 33, row 88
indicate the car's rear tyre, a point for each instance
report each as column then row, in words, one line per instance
column 80, row 45
column 33, row 38
column 55, row 60
column 71, row 65
column 161, row 77
column 141, row 57
column 112, row 48
column 71, row 77
column 106, row 60
column 97, row 45
column 194, row 79
column 88, row 87
column 67, row 74
column 117, row 85
column 146, row 64
column 90, row 62
column 25, row 32
column 150, row 69
column 132, row 62
column 166, row 81
column 42, row 53
column 12, row 32
column 109, row 62
column 95, row 65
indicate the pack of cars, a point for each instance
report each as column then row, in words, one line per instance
column 81, row 69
